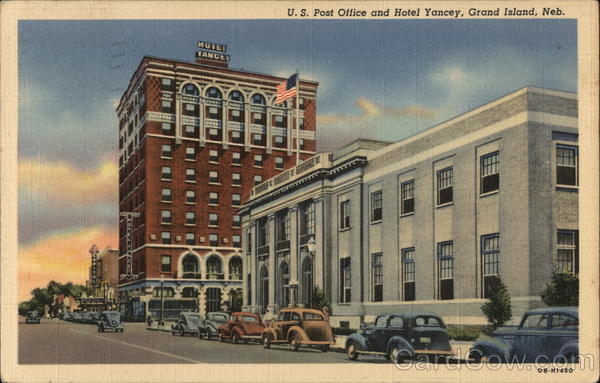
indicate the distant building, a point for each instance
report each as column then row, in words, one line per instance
column 194, row 138
column 427, row 223
column 107, row 275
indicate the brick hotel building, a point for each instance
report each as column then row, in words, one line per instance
column 194, row 139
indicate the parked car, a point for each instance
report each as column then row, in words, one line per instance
column 401, row 336
column 110, row 320
column 299, row 326
column 545, row 334
column 208, row 327
column 86, row 317
column 241, row 326
column 32, row 317
column 187, row 323
column 77, row 316
column 96, row 316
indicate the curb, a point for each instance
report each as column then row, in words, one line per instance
column 158, row 329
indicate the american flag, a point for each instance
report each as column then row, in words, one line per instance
column 287, row 89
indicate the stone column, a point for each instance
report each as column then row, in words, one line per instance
column 294, row 265
column 272, row 266
column 224, row 130
column 202, row 301
column 178, row 118
column 201, row 127
column 319, row 254
column 253, row 262
column 290, row 120
column 247, row 123
column 268, row 127
column 246, row 265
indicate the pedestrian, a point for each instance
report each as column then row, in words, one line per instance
column 326, row 313
column 149, row 320
column 267, row 318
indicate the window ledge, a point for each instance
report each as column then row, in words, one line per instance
column 190, row 182
column 190, row 224
column 345, row 229
column 407, row 214
column 213, row 162
column 236, row 205
column 234, row 164
column 166, row 179
column 166, row 201
column 236, row 186
column 166, row 158
column 344, row 304
column 190, row 159
column 213, row 204
column 376, row 222
column 191, row 203
column 257, row 167
column 166, row 223
column 567, row 188
column 483, row 195
column 215, row 183
column 216, row 226
column 445, row 205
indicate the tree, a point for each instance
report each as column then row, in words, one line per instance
column 562, row 291
column 319, row 300
column 497, row 309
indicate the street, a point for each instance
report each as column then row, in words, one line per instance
column 59, row 342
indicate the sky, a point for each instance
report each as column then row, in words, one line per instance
column 382, row 79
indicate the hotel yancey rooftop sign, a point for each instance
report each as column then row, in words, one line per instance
column 212, row 52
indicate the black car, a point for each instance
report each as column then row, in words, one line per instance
column 110, row 320
column 401, row 336
column 209, row 326
column 32, row 317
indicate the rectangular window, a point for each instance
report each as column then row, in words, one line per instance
column 165, row 217
column 166, row 195
column 166, row 151
column 301, row 123
column 444, row 186
column 165, row 174
column 213, row 177
column 345, row 280
column 213, row 219
column 213, row 156
column 165, row 83
column 279, row 141
column 237, row 240
column 377, row 275
column 213, row 198
column 567, row 252
column 165, row 237
column 236, row 199
column 490, row 262
column 258, row 160
column 301, row 104
column 283, row 227
column 376, row 206
column 446, row 270
column 408, row 273
column 190, row 175
column 165, row 263
column 279, row 121
column 213, row 112
column 166, row 106
column 213, row 133
column 257, row 139
column 301, row 144
column 236, row 179
column 278, row 162
column 344, row 215
column 213, row 239
column 490, row 173
column 236, row 158
column 190, row 153
column 258, row 118
column 237, row 220
column 407, row 197
column 190, row 196
column 190, row 239
column 566, row 165
column 190, row 218
column 257, row 179
column 167, row 129
column 236, row 136
column 190, row 131
column 236, row 115
column 190, row 107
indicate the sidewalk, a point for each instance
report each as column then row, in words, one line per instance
column 156, row 327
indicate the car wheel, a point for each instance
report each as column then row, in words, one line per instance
column 324, row 348
column 235, row 338
column 477, row 355
column 295, row 341
column 395, row 355
column 122, row 330
column 98, row 329
column 200, row 334
column 181, row 332
column 267, row 341
column 352, row 351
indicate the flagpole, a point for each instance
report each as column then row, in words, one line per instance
column 297, row 116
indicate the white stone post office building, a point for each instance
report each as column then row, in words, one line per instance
column 426, row 223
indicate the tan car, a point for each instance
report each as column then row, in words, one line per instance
column 299, row 326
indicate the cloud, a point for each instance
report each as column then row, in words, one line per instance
column 62, row 182
column 61, row 256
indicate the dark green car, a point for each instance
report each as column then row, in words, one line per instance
column 110, row 320
column 32, row 317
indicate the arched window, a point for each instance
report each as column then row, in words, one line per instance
column 214, row 93
column 263, row 289
column 235, row 268
column 284, row 285
column 189, row 292
column 307, row 282
column 258, row 99
column 168, row 292
column 191, row 268
column 191, row 90
column 236, row 96
column 214, row 269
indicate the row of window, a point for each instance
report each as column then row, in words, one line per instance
column 566, row 175
column 215, row 93
column 190, row 239
column 166, row 218
column 236, row 136
column 214, row 156
column 306, row 215
column 190, row 197
column 214, row 268
column 566, row 260
column 213, row 176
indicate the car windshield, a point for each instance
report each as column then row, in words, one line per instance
column 249, row 318
column 112, row 315
column 193, row 320
column 312, row 316
column 427, row 321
